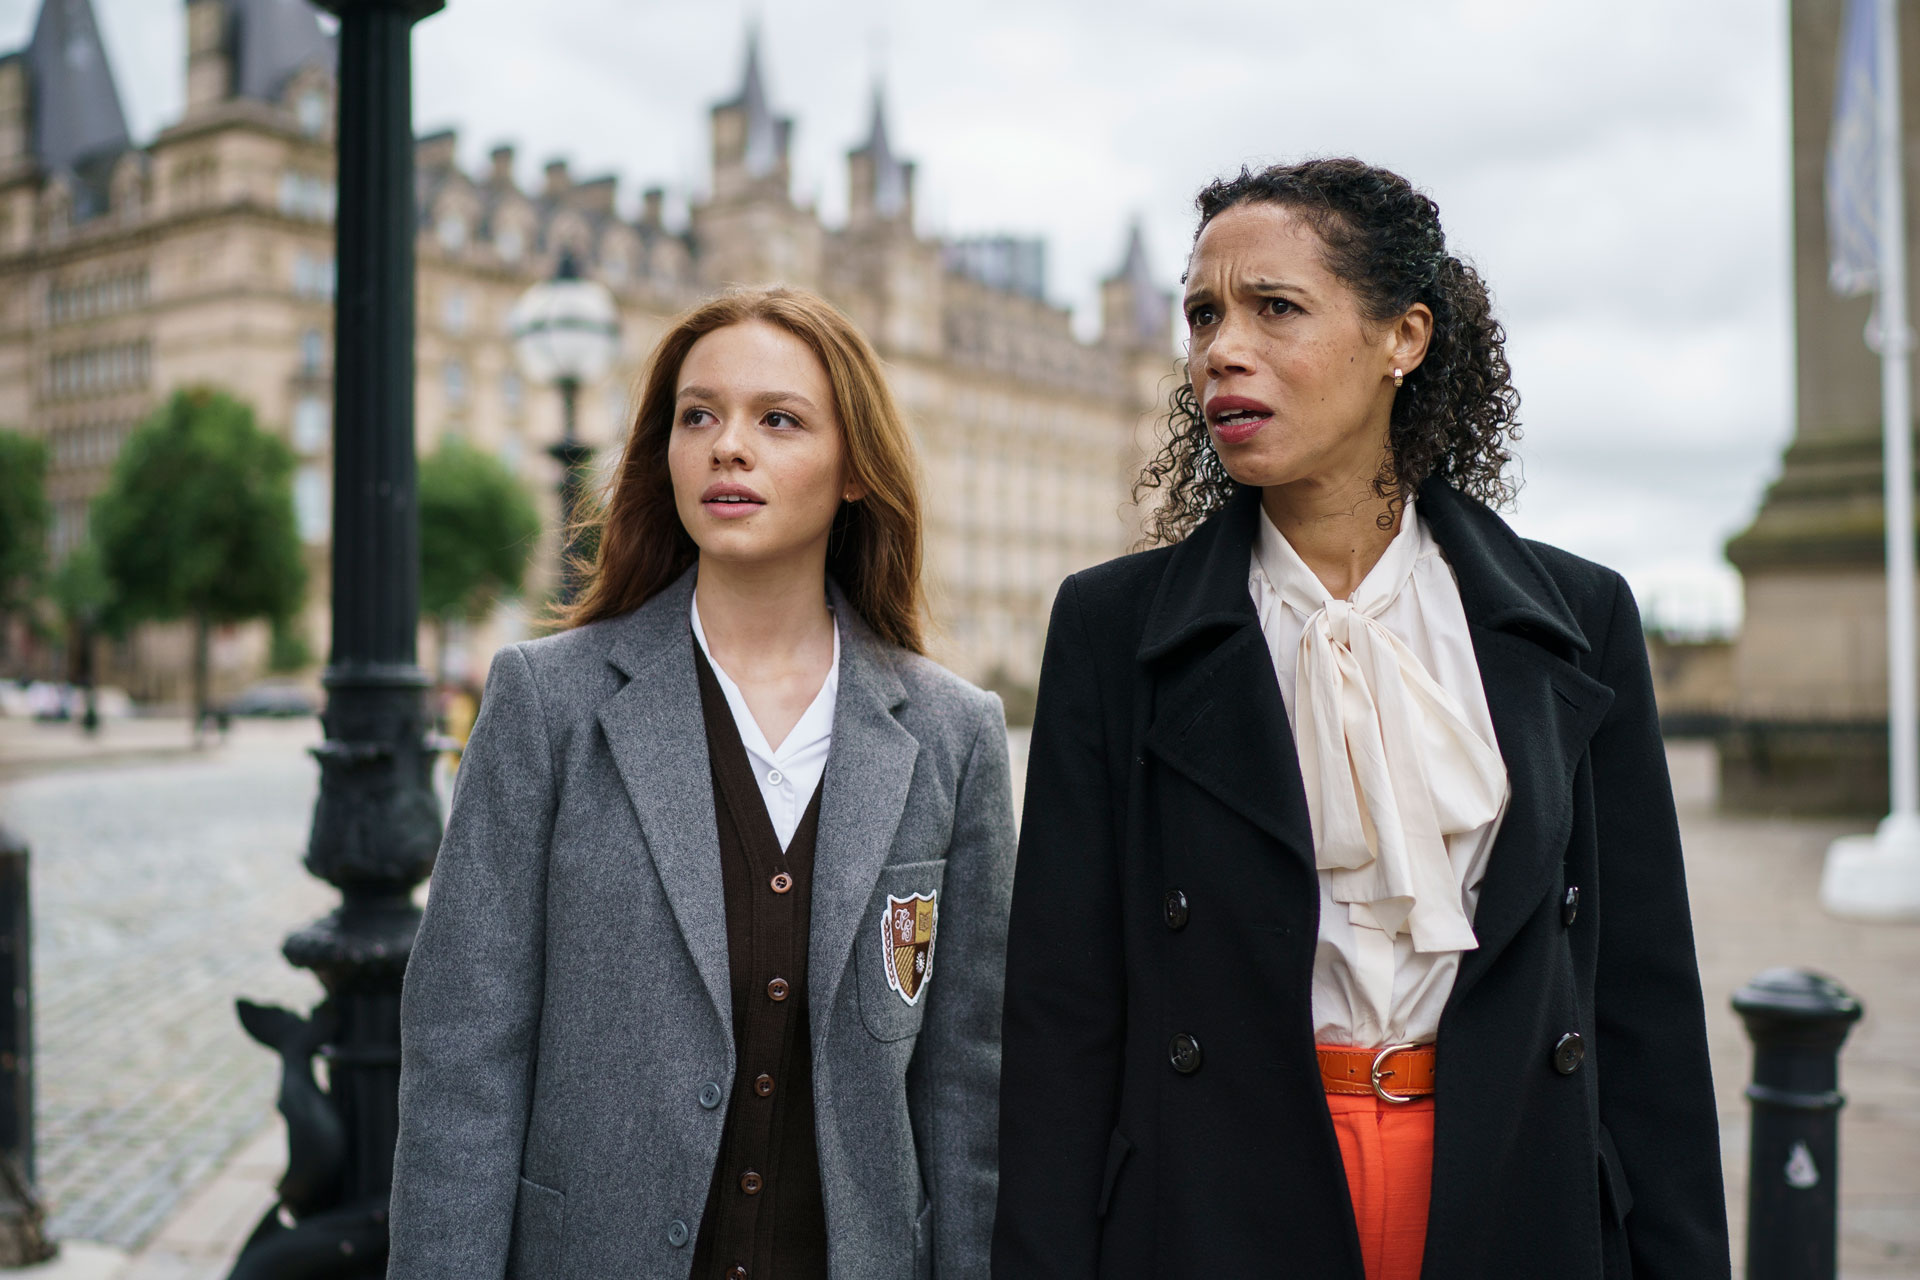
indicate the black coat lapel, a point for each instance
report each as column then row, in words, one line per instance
column 1219, row 719
column 1544, row 709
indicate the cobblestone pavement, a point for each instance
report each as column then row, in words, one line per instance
column 161, row 893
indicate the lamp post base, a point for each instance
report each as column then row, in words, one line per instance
column 1875, row 877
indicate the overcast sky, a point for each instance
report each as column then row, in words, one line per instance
column 1618, row 172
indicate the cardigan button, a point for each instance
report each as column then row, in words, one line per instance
column 750, row 1183
column 1184, row 1054
column 777, row 989
column 1175, row 908
column 1570, row 905
column 737, row 1273
column 709, row 1095
column 782, row 882
column 677, row 1234
column 1568, row 1053
column 763, row 1085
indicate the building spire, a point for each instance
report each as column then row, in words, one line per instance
column 763, row 131
column 76, row 105
column 889, row 174
column 273, row 41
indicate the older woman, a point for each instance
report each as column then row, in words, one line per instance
column 1349, row 933
column 674, row 1008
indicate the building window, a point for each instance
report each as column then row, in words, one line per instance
column 313, row 352
column 513, row 391
column 310, row 425
column 312, row 111
column 312, row 504
column 453, row 311
column 454, row 376
column 313, row 276
column 98, row 370
column 510, row 244
column 453, row 232
column 302, row 195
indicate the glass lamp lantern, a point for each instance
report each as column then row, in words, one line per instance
column 566, row 333
column 565, row 329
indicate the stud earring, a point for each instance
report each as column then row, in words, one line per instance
column 1398, row 377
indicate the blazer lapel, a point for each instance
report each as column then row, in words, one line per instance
column 1219, row 719
column 658, row 738
column 1544, row 710
column 869, row 770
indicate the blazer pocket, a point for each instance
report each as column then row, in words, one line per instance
column 923, row 1244
column 539, row 1232
column 1117, row 1150
column 1618, row 1197
column 897, row 946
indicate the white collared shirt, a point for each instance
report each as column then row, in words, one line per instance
column 1372, row 984
column 787, row 774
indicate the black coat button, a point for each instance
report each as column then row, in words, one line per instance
column 1568, row 1053
column 1176, row 909
column 1570, row 905
column 1184, row 1054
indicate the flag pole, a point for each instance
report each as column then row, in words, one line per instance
column 1878, row 876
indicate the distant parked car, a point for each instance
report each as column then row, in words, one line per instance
column 272, row 698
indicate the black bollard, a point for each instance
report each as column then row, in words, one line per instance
column 22, row 1217
column 1797, row 1022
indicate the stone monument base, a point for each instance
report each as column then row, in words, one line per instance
column 1837, row 768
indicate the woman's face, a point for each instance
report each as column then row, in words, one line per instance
column 1295, row 383
column 757, row 455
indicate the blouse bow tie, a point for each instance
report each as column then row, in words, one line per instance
column 1391, row 768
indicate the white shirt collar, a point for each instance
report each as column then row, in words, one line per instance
column 815, row 724
column 1301, row 589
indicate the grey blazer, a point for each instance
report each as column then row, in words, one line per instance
column 566, row 1027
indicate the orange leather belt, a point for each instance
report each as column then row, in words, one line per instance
column 1397, row 1073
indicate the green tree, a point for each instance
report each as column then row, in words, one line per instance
column 477, row 531
column 198, row 523
column 24, row 517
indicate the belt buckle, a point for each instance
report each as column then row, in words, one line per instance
column 1377, row 1074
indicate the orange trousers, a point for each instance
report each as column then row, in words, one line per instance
column 1387, row 1148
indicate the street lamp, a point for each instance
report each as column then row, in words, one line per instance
column 566, row 333
column 376, row 822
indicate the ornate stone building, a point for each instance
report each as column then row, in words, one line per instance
column 205, row 256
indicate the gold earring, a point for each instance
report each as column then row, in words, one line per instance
column 1398, row 377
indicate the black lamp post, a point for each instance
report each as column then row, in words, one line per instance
column 566, row 332
column 376, row 825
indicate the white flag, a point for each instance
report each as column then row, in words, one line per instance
column 1852, row 183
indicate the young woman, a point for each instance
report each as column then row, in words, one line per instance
column 1349, row 934
column 709, row 981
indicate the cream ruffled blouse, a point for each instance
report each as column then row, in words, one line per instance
column 1404, row 780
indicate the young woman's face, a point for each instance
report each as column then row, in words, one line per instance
column 1294, row 382
column 757, row 455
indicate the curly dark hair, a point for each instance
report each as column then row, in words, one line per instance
column 1457, row 413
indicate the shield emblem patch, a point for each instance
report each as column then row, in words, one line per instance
column 906, row 940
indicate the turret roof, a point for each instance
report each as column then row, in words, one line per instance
column 889, row 173
column 76, row 105
column 273, row 40
column 763, row 129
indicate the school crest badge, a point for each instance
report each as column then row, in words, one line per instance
column 906, row 940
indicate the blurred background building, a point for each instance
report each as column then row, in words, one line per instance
column 205, row 257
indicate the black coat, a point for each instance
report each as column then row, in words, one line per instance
column 1162, row 761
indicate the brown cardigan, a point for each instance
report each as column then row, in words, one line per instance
column 765, row 1215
